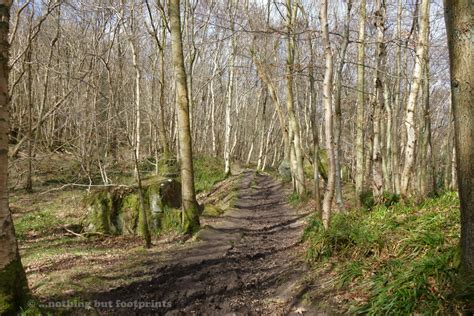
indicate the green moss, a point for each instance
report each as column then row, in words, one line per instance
column 13, row 288
column 212, row 211
column 100, row 205
column 129, row 213
column 191, row 220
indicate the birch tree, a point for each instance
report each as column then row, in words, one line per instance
column 422, row 43
column 327, row 101
column 13, row 286
column 378, row 99
column 296, row 155
column 360, row 115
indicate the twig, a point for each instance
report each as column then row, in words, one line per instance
column 85, row 185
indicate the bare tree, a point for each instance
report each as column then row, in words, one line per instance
column 13, row 286
column 190, row 206
column 360, row 125
column 296, row 155
column 327, row 100
column 412, row 98
column 458, row 17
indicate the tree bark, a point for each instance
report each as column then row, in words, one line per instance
column 337, row 107
column 327, row 100
column 397, row 105
column 13, row 285
column 411, row 103
column 190, row 206
column 314, row 123
column 296, row 156
column 458, row 17
column 230, row 102
column 360, row 112
column 377, row 175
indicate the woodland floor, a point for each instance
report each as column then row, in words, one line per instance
column 249, row 261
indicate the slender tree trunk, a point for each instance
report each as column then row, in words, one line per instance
column 454, row 169
column 411, row 103
column 388, row 155
column 190, row 206
column 314, row 123
column 337, row 107
column 295, row 139
column 360, row 115
column 13, row 285
column 276, row 101
column 397, row 105
column 213, row 103
column 377, row 175
column 228, row 108
column 327, row 100
column 458, row 16
column 138, row 75
column 161, row 119
column 29, row 179
column 427, row 177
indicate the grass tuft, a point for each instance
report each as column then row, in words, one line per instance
column 394, row 259
column 207, row 172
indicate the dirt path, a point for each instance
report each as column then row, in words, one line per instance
column 249, row 262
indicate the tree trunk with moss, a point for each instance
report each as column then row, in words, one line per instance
column 190, row 206
column 13, row 285
column 458, row 16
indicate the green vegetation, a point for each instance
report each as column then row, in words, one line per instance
column 395, row 259
column 207, row 172
column 13, row 287
column 37, row 223
column 368, row 201
column 295, row 199
column 212, row 211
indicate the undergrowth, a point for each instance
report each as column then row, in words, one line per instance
column 207, row 172
column 393, row 259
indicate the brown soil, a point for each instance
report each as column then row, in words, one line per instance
column 249, row 262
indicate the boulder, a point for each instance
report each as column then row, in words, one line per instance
column 284, row 170
column 116, row 210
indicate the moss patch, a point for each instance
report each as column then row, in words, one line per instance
column 212, row 211
column 13, row 288
column 191, row 220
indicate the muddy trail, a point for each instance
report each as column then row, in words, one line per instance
column 249, row 262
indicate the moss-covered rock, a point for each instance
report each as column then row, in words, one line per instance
column 284, row 170
column 128, row 213
column 13, row 288
column 118, row 210
column 100, row 211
